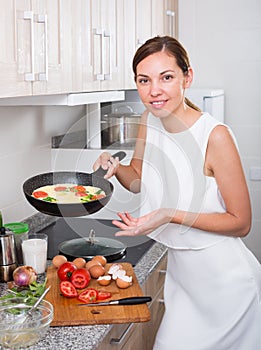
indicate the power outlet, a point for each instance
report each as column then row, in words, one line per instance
column 255, row 173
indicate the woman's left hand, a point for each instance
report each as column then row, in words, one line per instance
column 143, row 225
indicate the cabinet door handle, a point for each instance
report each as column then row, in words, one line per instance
column 44, row 76
column 118, row 341
column 108, row 76
column 163, row 272
column 29, row 15
column 99, row 32
column 171, row 20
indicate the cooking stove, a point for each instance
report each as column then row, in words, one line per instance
column 64, row 229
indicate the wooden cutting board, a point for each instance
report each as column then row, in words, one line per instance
column 68, row 313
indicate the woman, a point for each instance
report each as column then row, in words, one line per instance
column 195, row 201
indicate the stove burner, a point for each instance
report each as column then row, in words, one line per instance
column 66, row 229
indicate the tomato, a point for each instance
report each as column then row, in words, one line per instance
column 102, row 295
column 89, row 295
column 40, row 194
column 81, row 194
column 67, row 289
column 65, row 271
column 60, row 188
column 78, row 189
column 80, row 278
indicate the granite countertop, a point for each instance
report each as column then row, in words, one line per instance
column 88, row 337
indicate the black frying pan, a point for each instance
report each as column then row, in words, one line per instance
column 73, row 209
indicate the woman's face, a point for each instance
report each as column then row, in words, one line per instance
column 161, row 84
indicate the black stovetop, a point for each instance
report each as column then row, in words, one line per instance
column 69, row 228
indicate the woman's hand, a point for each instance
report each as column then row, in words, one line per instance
column 143, row 225
column 107, row 162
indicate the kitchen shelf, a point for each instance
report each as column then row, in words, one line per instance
column 71, row 99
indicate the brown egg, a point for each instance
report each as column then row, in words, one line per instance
column 91, row 263
column 104, row 280
column 79, row 263
column 58, row 260
column 96, row 271
column 102, row 260
column 124, row 282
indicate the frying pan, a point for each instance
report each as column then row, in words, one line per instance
column 78, row 178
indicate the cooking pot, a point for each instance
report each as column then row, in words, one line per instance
column 120, row 127
column 70, row 209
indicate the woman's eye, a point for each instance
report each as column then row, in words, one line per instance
column 167, row 77
column 142, row 81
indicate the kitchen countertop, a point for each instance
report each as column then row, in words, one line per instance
column 88, row 337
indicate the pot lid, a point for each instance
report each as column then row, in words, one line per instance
column 88, row 247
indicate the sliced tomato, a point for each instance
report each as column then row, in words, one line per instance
column 89, row 295
column 98, row 196
column 67, row 289
column 80, row 278
column 81, row 194
column 102, row 295
column 78, row 189
column 60, row 188
column 40, row 194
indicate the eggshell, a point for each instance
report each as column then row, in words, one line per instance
column 104, row 280
column 124, row 282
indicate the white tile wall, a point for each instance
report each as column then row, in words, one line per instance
column 25, row 150
column 223, row 39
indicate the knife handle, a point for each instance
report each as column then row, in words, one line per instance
column 134, row 300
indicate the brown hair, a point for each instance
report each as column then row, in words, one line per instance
column 169, row 45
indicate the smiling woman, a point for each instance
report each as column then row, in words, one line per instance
column 195, row 201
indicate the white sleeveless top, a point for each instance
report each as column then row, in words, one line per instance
column 172, row 177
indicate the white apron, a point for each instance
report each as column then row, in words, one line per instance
column 213, row 282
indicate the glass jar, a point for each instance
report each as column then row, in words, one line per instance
column 20, row 230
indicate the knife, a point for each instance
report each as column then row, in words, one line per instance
column 123, row 301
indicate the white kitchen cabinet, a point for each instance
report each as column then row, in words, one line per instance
column 140, row 336
column 171, row 18
column 36, row 42
column 143, row 20
column 97, row 45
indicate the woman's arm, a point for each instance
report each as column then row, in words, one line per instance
column 223, row 162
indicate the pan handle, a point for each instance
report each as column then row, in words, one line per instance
column 101, row 172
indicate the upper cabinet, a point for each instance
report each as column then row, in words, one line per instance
column 143, row 20
column 97, row 43
column 35, row 39
column 65, row 46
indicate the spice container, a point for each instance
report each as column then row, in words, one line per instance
column 20, row 230
column 7, row 255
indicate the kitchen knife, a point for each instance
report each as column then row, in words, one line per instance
column 123, row 301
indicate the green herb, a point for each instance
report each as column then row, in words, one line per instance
column 34, row 290
column 49, row 199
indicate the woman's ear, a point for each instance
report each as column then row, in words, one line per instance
column 188, row 78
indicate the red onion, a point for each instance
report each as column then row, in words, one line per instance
column 24, row 275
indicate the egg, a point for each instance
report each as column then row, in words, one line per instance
column 91, row 263
column 124, row 282
column 97, row 271
column 104, row 280
column 102, row 260
column 79, row 263
column 58, row 260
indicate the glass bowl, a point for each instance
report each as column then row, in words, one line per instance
column 18, row 331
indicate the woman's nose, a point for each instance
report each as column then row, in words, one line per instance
column 155, row 89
